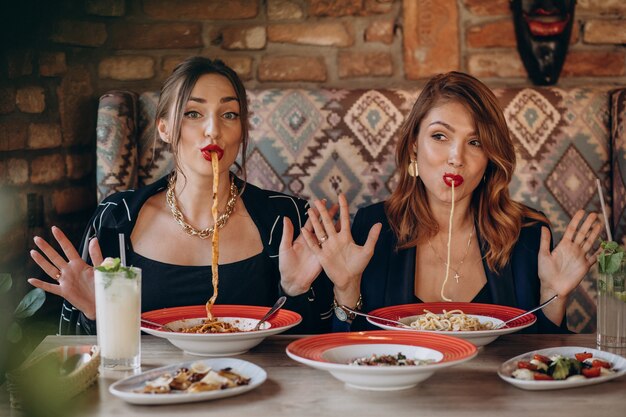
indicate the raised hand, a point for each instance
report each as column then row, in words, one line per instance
column 561, row 270
column 297, row 263
column 74, row 276
column 342, row 259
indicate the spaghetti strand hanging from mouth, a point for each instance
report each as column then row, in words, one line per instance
column 443, row 286
column 215, row 247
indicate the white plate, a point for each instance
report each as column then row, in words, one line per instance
column 484, row 312
column 333, row 352
column 125, row 388
column 506, row 369
column 218, row 344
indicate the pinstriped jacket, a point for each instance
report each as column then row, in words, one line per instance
column 118, row 213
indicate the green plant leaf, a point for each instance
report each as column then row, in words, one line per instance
column 14, row 333
column 614, row 263
column 6, row 282
column 30, row 303
column 610, row 258
column 602, row 262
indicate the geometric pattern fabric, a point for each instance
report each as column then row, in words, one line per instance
column 317, row 143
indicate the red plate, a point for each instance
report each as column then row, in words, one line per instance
column 313, row 347
column 503, row 313
column 167, row 315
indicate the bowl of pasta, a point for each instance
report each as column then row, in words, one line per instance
column 230, row 332
column 381, row 360
column 474, row 322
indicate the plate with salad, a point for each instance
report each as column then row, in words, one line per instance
column 562, row 367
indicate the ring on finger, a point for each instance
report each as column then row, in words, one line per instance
column 57, row 276
column 321, row 241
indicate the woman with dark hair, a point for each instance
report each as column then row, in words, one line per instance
column 450, row 230
column 202, row 113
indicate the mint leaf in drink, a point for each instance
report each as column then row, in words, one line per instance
column 611, row 257
column 115, row 265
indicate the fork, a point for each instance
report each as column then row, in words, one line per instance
column 501, row 325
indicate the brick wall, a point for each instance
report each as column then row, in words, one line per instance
column 58, row 57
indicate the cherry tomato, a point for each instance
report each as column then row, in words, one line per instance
column 602, row 364
column 591, row 372
column 542, row 377
column 542, row 358
column 582, row 356
column 526, row 365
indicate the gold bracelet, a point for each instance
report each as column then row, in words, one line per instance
column 345, row 315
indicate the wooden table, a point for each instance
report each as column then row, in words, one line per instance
column 292, row 389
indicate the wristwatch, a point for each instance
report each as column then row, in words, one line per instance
column 346, row 315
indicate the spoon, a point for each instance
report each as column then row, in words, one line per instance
column 162, row 326
column 277, row 305
column 358, row 313
column 501, row 325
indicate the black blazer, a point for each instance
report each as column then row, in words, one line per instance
column 118, row 213
column 389, row 277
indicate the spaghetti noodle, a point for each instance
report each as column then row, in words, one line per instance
column 443, row 286
column 213, row 325
column 454, row 320
column 216, row 235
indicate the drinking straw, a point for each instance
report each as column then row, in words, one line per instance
column 122, row 249
column 606, row 219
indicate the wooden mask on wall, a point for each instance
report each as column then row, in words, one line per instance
column 543, row 29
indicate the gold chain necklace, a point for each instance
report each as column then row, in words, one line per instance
column 457, row 275
column 170, row 197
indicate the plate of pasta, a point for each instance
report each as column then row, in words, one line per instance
column 381, row 360
column 231, row 333
column 192, row 381
column 475, row 322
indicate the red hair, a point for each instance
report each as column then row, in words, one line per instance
column 499, row 218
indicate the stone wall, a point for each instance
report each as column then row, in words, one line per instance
column 58, row 57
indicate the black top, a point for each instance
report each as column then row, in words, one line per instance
column 118, row 213
column 251, row 281
column 483, row 296
column 389, row 278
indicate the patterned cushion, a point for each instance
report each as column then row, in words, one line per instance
column 116, row 148
column 618, row 164
column 317, row 143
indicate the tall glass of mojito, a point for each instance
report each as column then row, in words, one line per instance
column 118, row 314
column 611, row 313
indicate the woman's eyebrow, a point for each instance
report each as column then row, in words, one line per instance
column 222, row 100
column 444, row 124
column 449, row 127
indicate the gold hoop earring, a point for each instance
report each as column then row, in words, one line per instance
column 412, row 169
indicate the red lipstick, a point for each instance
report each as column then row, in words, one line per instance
column 453, row 178
column 206, row 152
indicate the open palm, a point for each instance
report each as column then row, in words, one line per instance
column 296, row 262
column 342, row 259
column 74, row 276
column 562, row 269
